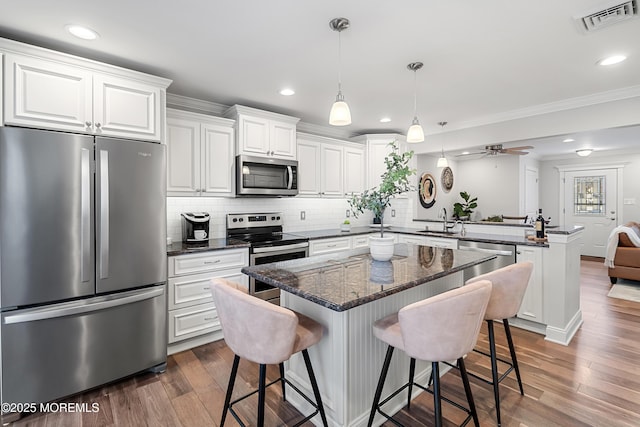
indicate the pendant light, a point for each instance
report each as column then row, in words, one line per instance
column 415, row 132
column 340, row 114
column 442, row 161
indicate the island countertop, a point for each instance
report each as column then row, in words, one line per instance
column 348, row 279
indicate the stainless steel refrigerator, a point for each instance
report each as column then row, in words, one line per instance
column 82, row 261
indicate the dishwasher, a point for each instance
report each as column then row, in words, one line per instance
column 506, row 255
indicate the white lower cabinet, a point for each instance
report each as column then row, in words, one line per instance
column 325, row 246
column 428, row 241
column 193, row 319
column 531, row 307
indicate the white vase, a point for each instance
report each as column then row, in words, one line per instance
column 381, row 248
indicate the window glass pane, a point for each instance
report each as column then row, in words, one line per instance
column 589, row 196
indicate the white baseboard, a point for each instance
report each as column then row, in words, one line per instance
column 565, row 335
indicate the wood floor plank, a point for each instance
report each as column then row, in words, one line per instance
column 154, row 401
column 190, row 410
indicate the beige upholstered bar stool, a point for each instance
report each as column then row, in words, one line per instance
column 440, row 328
column 509, row 286
column 264, row 333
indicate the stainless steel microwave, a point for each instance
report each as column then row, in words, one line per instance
column 263, row 176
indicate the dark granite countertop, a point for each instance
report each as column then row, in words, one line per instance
column 181, row 248
column 348, row 279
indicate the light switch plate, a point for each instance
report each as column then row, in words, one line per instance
column 303, row 215
column 631, row 201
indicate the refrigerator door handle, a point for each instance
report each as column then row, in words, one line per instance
column 85, row 216
column 81, row 307
column 104, row 214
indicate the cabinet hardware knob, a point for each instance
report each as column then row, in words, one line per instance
column 98, row 125
column 88, row 124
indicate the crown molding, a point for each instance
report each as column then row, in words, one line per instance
column 551, row 107
column 197, row 105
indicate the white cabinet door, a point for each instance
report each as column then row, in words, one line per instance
column 415, row 240
column 325, row 246
column 183, row 156
column 47, row 94
column 331, row 172
column 217, row 159
column 125, row 108
column 308, row 168
column 442, row 243
column 354, row 170
column 282, row 140
column 531, row 307
column 253, row 138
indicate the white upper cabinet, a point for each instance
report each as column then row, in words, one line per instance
column 531, row 307
column 51, row 90
column 262, row 133
column 200, row 155
column 308, row 168
column 329, row 167
column 1, row 93
column 377, row 149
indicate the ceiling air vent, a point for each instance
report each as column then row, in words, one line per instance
column 611, row 14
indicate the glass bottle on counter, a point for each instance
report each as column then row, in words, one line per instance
column 540, row 225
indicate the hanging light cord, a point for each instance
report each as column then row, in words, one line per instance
column 339, row 62
column 442, row 144
column 415, row 95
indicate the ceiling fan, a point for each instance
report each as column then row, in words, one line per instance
column 495, row 149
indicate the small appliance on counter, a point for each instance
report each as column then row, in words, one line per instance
column 195, row 226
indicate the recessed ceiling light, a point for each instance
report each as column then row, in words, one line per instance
column 615, row 59
column 568, row 140
column 385, row 120
column 584, row 152
column 287, row 92
column 465, row 153
column 81, row 32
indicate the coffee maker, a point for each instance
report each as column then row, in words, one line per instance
column 195, row 226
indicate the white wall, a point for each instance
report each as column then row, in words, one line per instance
column 320, row 213
column 494, row 180
column 549, row 182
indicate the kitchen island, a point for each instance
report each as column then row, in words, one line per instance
column 346, row 292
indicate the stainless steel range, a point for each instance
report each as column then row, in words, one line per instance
column 268, row 244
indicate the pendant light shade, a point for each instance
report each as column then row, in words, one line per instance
column 442, row 161
column 340, row 114
column 415, row 132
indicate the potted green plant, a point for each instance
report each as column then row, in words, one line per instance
column 464, row 210
column 395, row 180
column 346, row 225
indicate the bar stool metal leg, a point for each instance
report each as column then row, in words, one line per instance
column 467, row 391
column 412, row 371
column 494, row 368
column 437, row 401
column 261, row 394
column 383, row 376
column 232, row 380
column 512, row 350
column 284, row 392
column 314, row 386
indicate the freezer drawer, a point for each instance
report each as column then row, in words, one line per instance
column 54, row 351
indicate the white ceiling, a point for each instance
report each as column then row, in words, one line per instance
column 482, row 59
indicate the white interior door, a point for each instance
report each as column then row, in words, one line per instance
column 590, row 201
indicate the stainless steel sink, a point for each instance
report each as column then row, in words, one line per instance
column 443, row 233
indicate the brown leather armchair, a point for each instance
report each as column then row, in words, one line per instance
column 627, row 259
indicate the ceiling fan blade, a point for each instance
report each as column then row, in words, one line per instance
column 518, row 153
column 524, row 147
column 471, row 154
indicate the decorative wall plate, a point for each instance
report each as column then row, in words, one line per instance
column 446, row 179
column 427, row 190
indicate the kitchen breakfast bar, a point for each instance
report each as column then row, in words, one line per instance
column 347, row 292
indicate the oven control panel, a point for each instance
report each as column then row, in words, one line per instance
column 254, row 220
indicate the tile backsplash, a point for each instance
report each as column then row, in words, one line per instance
column 319, row 213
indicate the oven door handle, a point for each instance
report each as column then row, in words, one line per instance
column 268, row 249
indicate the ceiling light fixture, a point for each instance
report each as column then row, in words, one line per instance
column 340, row 114
column 81, row 32
column 584, row 152
column 568, row 140
column 287, row 92
column 442, row 161
column 415, row 132
column 611, row 60
column 385, row 120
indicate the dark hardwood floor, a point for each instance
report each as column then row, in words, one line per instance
column 595, row 381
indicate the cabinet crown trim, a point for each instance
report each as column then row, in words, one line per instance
column 18, row 48
column 203, row 118
column 237, row 110
column 327, row 140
